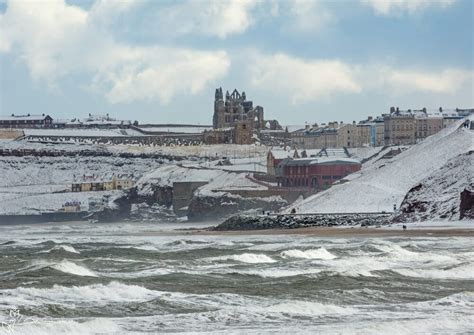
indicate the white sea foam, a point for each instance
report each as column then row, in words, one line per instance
column 97, row 294
column 309, row 308
column 64, row 247
column 465, row 271
column 320, row 253
column 245, row 258
column 72, row 268
column 67, row 326
column 274, row 273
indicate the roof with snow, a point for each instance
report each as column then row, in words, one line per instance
column 319, row 160
column 24, row 117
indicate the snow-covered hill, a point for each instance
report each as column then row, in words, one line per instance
column 438, row 195
column 377, row 187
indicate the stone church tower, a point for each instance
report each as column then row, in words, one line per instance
column 235, row 109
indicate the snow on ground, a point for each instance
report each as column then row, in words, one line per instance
column 176, row 129
column 248, row 164
column 218, row 180
column 363, row 152
column 438, row 194
column 217, row 151
column 379, row 186
column 94, row 132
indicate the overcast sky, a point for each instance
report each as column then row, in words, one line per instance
column 160, row 61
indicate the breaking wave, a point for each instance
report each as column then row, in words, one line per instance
column 320, row 253
column 245, row 258
column 67, row 248
column 310, row 308
column 97, row 294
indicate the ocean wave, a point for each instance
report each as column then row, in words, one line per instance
column 309, row 308
column 72, row 268
column 273, row 273
column 464, row 271
column 72, row 327
column 97, row 294
column 320, row 253
column 64, row 247
column 245, row 258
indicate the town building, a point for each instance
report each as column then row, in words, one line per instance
column 399, row 127
column 370, row 132
column 276, row 156
column 427, row 124
column 91, row 183
column 333, row 135
column 317, row 173
column 26, row 121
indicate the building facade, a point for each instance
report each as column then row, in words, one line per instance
column 399, row 127
column 26, row 121
column 315, row 173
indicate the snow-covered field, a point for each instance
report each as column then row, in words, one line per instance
column 82, row 132
column 383, row 183
column 177, row 130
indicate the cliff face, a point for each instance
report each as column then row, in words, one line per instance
column 439, row 195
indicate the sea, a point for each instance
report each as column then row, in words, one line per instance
column 149, row 278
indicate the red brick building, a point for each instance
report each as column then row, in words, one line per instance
column 317, row 173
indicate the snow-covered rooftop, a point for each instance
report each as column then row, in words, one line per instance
column 23, row 117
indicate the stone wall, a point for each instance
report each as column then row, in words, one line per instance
column 10, row 134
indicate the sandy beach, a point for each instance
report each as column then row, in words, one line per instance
column 346, row 232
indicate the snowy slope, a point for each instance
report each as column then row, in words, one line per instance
column 438, row 195
column 378, row 187
column 217, row 179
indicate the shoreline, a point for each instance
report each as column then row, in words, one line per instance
column 343, row 232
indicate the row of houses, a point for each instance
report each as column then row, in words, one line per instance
column 46, row 121
column 395, row 128
column 95, row 183
column 313, row 169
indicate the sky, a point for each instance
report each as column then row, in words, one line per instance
column 303, row 61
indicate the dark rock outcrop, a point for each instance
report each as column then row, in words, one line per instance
column 204, row 208
column 242, row 222
column 466, row 208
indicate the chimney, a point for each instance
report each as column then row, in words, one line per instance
column 441, row 109
column 369, row 118
column 353, row 122
column 398, row 109
column 392, row 110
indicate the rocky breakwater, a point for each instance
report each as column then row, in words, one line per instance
column 244, row 222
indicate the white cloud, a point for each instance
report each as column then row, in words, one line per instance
column 313, row 80
column 302, row 80
column 55, row 39
column 309, row 15
column 182, row 71
column 213, row 17
column 446, row 81
column 395, row 7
